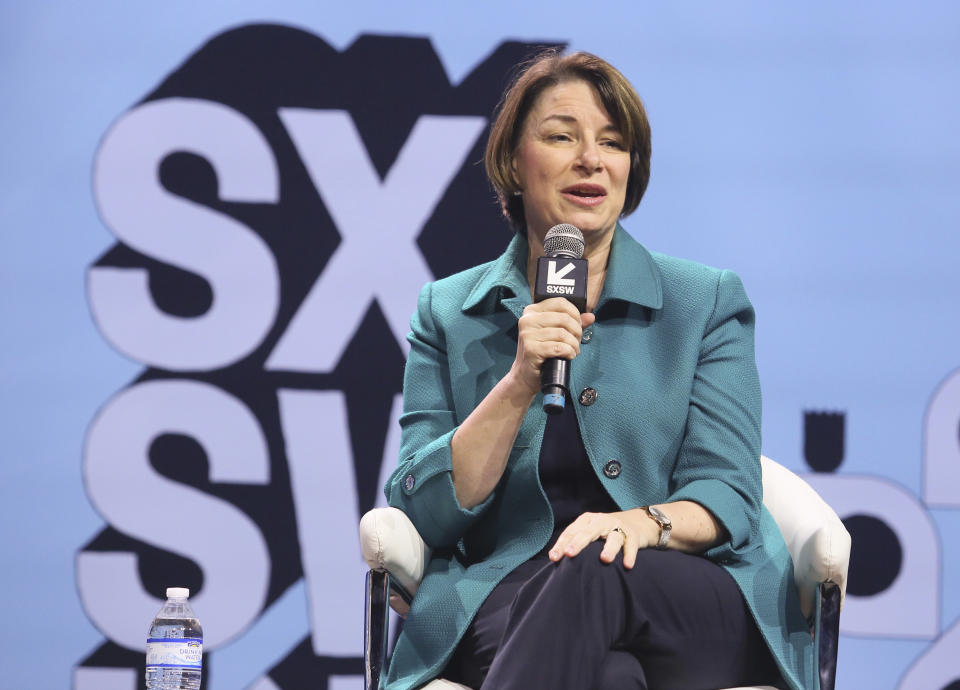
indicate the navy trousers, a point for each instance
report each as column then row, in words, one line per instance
column 673, row 622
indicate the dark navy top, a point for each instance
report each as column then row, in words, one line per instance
column 565, row 472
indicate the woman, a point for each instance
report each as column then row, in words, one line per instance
column 622, row 544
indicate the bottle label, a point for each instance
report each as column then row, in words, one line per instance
column 182, row 652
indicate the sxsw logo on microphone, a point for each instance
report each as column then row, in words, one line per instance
column 277, row 205
column 557, row 282
column 562, row 277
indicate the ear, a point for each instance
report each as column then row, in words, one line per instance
column 514, row 174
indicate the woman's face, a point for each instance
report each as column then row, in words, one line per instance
column 571, row 163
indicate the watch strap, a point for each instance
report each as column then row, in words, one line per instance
column 663, row 521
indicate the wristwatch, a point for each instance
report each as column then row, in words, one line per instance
column 665, row 525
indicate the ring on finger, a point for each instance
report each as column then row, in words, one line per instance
column 623, row 535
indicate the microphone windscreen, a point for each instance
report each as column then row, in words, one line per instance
column 564, row 240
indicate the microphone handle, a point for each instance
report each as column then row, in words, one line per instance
column 554, row 384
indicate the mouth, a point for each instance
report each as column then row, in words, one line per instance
column 585, row 194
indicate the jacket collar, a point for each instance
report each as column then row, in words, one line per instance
column 632, row 276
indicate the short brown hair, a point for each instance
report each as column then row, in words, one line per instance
column 541, row 72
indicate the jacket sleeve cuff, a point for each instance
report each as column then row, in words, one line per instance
column 728, row 507
column 425, row 492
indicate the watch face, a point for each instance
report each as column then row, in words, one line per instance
column 658, row 515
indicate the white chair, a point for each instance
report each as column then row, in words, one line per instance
column 817, row 540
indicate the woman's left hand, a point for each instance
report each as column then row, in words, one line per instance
column 627, row 531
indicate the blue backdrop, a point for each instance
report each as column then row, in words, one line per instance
column 180, row 389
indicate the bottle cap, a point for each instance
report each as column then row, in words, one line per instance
column 177, row 592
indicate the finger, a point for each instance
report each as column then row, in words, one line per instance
column 547, row 338
column 558, row 350
column 538, row 352
column 547, row 326
column 585, row 529
column 551, row 334
column 611, row 546
column 556, row 551
column 579, row 540
column 399, row 605
column 559, row 548
column 533, row 321
column 556, row 304
column 630, row 548
column 546, row 341
column 587, row 319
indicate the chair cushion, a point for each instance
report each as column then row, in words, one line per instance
column 441, row 684
column 389, row 541
column 818, row 542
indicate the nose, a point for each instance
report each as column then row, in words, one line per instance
column 589, row 156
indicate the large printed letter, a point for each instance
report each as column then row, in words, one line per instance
column 238, row 265
column 379, row 222
column 910, row 607
column 941, row 446
column 137, row 500
column 937, row 666
column 316, row 434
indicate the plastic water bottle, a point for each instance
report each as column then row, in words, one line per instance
column 175, row 645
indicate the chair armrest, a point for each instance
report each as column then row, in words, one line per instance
column 816, row 538
column 390, row 542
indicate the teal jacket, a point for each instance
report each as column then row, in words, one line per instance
column 671, row 357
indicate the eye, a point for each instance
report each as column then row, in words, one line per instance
column 614, row 144
column 559, row 136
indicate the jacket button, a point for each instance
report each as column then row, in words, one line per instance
column 587, row 334
column 409, row 482
column 588, row 396
column 612, row 469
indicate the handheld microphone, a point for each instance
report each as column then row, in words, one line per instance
column 561, row 272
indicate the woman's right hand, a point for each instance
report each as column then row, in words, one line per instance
column 481, row 445
column 548, row 329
